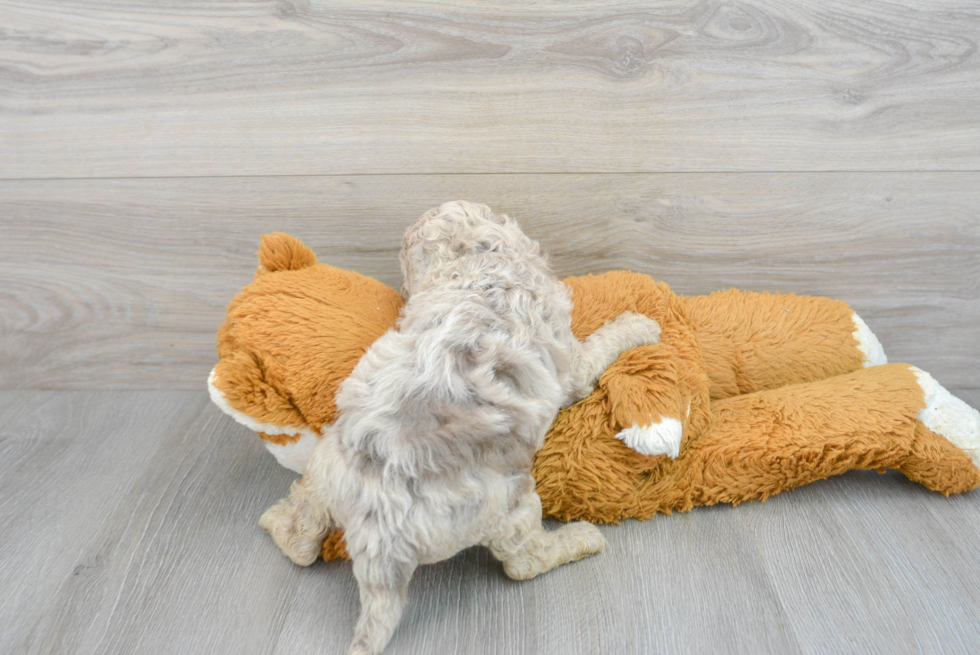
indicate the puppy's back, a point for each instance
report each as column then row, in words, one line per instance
column 449, row 389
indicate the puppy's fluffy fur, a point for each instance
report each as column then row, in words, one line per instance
column 439, row 421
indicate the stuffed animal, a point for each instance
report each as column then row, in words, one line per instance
column 745, row 396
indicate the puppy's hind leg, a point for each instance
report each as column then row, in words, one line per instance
column 298, row 523
column 527, row 550
column 383, row 584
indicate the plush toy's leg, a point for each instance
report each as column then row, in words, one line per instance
column 298, row 524
column 763, row 443
column 647, row 400
column 527, row 550
column 757, row 341
column 383, row 584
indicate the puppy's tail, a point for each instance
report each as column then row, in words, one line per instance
column 299, row 523
column 281, row 252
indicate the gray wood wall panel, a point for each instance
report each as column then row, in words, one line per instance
column 183, row 88
column 122, row 283
column 130, row 526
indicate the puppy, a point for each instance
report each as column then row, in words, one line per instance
column 439, row 422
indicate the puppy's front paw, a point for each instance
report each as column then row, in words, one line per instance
column 637, row 329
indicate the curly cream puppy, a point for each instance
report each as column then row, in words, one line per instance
column 439, row 421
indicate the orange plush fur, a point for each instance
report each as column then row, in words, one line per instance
column 770, row 389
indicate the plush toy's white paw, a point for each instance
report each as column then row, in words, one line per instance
column 663, row 438
column 949, row 416
column 868, row 344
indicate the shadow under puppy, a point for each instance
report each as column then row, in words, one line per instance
column 440, row 420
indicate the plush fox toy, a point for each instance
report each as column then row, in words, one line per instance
column 745, row 396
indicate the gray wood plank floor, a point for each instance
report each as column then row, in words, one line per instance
column 130, row 527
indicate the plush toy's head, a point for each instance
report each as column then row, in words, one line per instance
column 290, row 338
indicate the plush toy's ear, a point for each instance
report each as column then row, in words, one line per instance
column 281, row 252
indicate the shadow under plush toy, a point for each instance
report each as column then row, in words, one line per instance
column 745, row 396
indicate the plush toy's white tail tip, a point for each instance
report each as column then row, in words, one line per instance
column 949, row 416
column 868, row 344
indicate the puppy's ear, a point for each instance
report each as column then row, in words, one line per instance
column 281, row 252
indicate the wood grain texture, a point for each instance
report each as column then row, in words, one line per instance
column 184, row 88
column 130, row 526
column 69, row 459
column 122, row 283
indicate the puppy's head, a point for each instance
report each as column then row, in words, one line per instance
column 453, row 230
